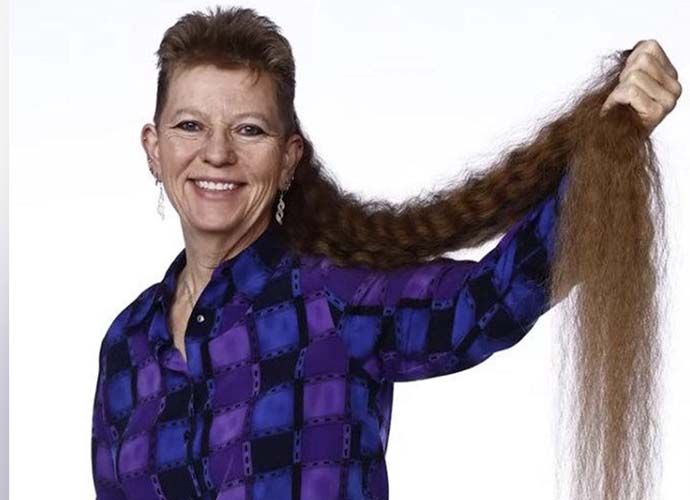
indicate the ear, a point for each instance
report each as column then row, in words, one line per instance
column 149, row 141
column 294, row 148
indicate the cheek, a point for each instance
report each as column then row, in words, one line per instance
column 263, row 166
column 179, row 148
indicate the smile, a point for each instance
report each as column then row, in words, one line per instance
column 216, row 186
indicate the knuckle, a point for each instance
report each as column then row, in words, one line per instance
column 635, row 76
column 646, row 59
column 635, row 92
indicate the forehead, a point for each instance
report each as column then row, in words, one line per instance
column 215, row 90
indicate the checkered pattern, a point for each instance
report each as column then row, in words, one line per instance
column 287, row 389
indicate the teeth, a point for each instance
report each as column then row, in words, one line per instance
column 215, row 186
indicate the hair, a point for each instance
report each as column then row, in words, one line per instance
column 608, row 266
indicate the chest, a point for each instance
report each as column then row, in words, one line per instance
column 178, row 318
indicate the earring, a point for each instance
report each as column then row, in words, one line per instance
column 280, row 210
column 161, row 198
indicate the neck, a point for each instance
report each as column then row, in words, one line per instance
column 204, row 251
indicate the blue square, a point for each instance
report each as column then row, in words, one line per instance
column 171, row 444
column 249, row 275
column 194, row 361
column 273, row 488
column 464, row 318
column 411, row 330
column 354, row 482
column 360, row 333
column 277, row 329
column 370, row 441
column 274, row 409
column 120, row 393
column 358, row 400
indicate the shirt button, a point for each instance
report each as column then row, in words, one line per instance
column 200, row 318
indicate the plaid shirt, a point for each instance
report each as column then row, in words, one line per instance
column 287, row 388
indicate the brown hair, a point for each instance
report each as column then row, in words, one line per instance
column 610, row 244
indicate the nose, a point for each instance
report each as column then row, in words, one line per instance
column 219, row 148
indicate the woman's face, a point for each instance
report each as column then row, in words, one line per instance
column 218, row 125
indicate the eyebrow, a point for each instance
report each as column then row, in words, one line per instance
column 191, row 111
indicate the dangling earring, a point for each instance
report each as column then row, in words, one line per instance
column 161, row 198
column 280, row 210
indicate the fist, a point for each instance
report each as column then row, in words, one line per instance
column 648, row 82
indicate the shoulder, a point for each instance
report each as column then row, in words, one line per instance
column 318, row 273
column 131, row 314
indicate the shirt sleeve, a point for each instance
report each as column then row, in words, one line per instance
column 102, row 464
column 447, row 315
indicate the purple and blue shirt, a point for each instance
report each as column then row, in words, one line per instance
column 287, row 390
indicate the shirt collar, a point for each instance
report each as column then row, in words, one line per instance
column 246, row 274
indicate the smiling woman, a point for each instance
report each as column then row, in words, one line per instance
column 220, row 151
column 262, row 364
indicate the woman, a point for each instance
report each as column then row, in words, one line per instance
column 262, row 364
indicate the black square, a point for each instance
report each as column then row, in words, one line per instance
column 203, row 328
column 483, row 293
column 117, row 358
column 535, row 267
column 201, row 394
column 176, row 405
column 387, row 342
column 526, row 243
column 500, row 325
column 177, row 484
column 275, row 371
column 272, row 452
column 439, row 338
column 279, row 290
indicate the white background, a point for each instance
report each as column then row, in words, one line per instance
column 397, row 97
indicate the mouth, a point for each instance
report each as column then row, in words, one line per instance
column 214, row 187
column 212, row 191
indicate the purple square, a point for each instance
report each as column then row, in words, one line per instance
column 143, row 416
column 326, row 355
column 277, row 329
column 140, row 347
column 226, row 464
column 134, row 454
column 229, row 347
column 104, row 463
column 148, row 380
column 320, row 483
column 324, row 398
column 233, row 386
column 322, row 442
column 139, row 487
column 319, row 319
column 227, row 426
column 238, row 492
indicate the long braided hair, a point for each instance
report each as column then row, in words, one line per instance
column 610, row 245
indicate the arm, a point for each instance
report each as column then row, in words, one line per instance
column 102, row 467
column 448, row 315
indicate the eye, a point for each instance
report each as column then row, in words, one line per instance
column 256, row 129
column 182, row 125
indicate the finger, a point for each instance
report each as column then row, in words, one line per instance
column 651, row 65
column 652, row 88
column 650, row 111
column 653, row 48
